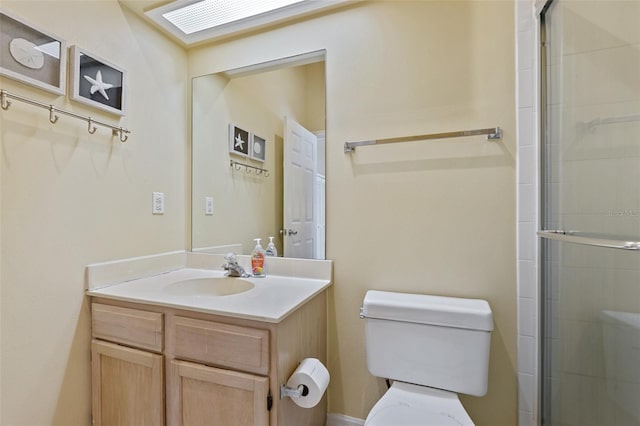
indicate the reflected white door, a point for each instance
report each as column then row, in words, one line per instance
column 300, row 151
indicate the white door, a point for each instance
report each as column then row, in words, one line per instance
column 300, row 150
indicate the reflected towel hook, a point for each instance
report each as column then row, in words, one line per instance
column 91, row 129
column 249, row 168
column 53, row 118
column 120, row 133
column 5, row 102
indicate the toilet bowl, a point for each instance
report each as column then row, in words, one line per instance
column 407, row 404
column 432, row 347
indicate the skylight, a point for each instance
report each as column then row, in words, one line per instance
column 199, row 21
column 208, row 14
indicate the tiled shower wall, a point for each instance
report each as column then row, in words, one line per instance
column 527, row 210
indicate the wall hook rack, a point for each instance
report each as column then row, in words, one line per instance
column 249, row 168
column 5, row 103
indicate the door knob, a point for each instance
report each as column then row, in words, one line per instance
column 292, row 232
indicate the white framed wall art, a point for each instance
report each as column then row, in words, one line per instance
column 97, row 82
column 32, row 56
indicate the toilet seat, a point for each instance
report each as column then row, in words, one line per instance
column 406, row 404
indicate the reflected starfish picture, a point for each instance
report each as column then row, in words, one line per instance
column 97, row 85
column 239, row 142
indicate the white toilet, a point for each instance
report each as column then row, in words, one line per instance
column 432, row 347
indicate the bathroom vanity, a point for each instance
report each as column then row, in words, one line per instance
column 167, row 351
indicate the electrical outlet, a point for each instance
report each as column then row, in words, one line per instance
column 208, row 206
column 157, row 204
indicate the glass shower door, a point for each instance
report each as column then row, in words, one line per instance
column 591, row 214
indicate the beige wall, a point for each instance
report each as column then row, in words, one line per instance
column 246, row 205
column 70, row 198
column 432, row 217
column 436, row 217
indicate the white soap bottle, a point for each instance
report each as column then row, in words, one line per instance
column 257, row 259
column 271, row 248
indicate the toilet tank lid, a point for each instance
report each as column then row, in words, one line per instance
column 473, row 314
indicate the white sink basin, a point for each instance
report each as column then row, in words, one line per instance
column 210, row 286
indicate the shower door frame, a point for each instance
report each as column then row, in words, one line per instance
column 541, row 9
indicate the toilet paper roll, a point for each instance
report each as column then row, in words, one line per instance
column 312, row 378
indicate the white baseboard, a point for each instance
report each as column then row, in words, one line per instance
column 334, row 419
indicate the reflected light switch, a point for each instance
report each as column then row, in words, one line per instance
column 208, row 206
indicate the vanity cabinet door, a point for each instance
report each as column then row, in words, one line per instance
column 208, row 396
column 127, row 386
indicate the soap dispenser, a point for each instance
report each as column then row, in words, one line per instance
column 257, row 259
column 271, row 248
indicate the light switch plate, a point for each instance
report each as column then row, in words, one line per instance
column 208, row 206
column 157, row 204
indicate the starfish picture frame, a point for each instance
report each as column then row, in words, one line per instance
column 239, row 141
column 32, row 56
column 97, row 82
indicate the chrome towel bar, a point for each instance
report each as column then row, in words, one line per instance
column 589, row 239
column 121, row 132
column 492, row 134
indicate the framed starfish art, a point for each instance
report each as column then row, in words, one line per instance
column 32, row 56
column 238, row 141
column 97, row 82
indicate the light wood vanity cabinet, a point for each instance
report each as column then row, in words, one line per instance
column 127, row 386
column 211, row 369
column 204, row 395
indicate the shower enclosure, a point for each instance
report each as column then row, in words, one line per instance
column 590, row 214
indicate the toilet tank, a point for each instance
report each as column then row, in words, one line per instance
column 435, row 341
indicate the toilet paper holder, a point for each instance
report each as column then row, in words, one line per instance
column 289, row 392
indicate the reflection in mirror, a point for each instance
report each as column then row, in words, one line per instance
column 277, row 190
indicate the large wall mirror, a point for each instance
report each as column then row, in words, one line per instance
column 259, row 158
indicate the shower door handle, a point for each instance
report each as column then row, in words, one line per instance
column 590, row 239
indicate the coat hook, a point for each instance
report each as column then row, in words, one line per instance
column 123, row 135
column 91, row 129
column 247, row 169
column 266, row 174
column 53, row 118
column 5, row 102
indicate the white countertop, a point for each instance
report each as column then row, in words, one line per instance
column 271, row 300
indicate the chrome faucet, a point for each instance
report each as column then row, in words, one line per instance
column 232, row 266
